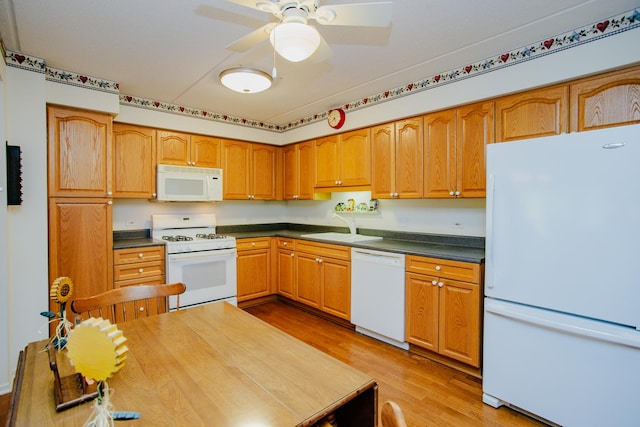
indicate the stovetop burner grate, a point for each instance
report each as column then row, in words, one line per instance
column 210, row 236
column 178, row 238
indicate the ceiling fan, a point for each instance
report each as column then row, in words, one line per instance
column 293, row 38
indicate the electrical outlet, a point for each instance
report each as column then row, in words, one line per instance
column 131, row 223
column 457, row 225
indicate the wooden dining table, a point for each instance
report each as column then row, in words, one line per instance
column 211, row 365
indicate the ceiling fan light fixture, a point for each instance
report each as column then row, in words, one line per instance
column 295, row 41
column 245, row 80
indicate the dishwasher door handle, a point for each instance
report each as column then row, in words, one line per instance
column 379, row 258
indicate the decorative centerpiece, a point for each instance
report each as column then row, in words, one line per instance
column 97, row 350
column 60, row 292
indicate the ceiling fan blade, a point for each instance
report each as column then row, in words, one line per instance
column 246, row 3
column 323, row 52
column 357, row 14
column 263, row 5
column 252, row 39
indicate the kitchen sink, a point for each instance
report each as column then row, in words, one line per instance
column 341, row 237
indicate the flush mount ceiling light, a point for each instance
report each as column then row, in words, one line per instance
column 295, row 41
column 245, row 79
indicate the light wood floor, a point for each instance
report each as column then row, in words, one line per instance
column 430, row 394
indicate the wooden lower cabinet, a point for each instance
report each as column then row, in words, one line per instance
column 323, row 277
column 253, row 268
column 140, row 266
column 286, row 267
column 80, row 244
column 443, row 307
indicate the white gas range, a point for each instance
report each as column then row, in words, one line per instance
column 203, row 260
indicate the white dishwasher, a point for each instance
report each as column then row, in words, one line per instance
column 377, row 295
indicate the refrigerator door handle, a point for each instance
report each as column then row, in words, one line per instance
column 559, row 322
column 489, row 231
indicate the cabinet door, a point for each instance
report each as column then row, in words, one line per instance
column 459, row 331
column 305, row 170
column 286, row 273
column 408, row 155
column 205, row 151
column 173, row 148
column 263, row 172
column 439, row 154
column 383, row 156
column 236, row 165
column 336, row 287
column 421, row 325
column 308, row 279
column 531, row 114
column 475, row 129
column 134, row 161
column 81, row 243
column 327, row 170
column 611, row 99
column 254, row 274
column 80, row 153
column 291, row 172
column 355, row 155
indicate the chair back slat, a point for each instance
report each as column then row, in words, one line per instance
column 129, row 302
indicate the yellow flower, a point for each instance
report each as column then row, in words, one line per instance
column 61, row 290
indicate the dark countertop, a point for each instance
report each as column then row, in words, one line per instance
column 457, row 248
column 134, row 239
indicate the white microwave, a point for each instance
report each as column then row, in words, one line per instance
column 188, row 184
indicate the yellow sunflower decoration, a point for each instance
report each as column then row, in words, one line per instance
column 61, row 290
column 97, row 350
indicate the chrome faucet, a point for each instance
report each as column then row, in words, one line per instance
column 352, row 227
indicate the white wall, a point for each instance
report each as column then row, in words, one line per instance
column 4, row 290
column 26, row 126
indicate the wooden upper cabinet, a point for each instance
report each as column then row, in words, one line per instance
column 535, row 113
column 454, row 150
column 343, row 162
column 184, row 149
column 611, row 99
column 134, row 161
column 298, row 171
column 249, row 170
column 474, row 130
column 397, row 159
column 80, row 149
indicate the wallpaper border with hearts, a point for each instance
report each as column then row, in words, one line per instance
column 605, row 28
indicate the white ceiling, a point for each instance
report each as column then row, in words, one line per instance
column 173, row 50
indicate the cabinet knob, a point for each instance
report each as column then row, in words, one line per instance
column 110, row 202
column 440, row 284
column 457, row 193
column 320, row 260
column 154, row 195
column 140, row 255
column 395, row 194
column 141, row 309
column 253, row 243
column 141, row 270
column 434, row 282
column 109, row 193
column 284, row 243
column 438, row 268
column 451, row 193
column 291, row 254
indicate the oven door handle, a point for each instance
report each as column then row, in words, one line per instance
column 202, row 254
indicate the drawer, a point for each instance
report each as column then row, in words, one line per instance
column 324, row 249
column 285, row 243
column 139, row 270
column 153, row 280
column 251, row 244
column 131, row 255
column 444, row 268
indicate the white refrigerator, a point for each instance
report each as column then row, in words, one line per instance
column 562, row 285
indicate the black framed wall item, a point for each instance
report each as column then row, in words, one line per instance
column 14, row 175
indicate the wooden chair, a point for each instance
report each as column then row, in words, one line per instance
column 128, row 302
column 391, row 415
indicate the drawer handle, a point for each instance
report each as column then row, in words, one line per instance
column 438, row 268
column 284, row 243
column 141, row 270
column 140, row 255
column 253, row 243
